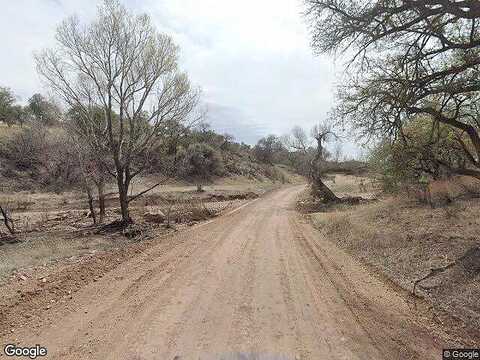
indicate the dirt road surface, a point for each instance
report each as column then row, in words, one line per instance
column 259, row 280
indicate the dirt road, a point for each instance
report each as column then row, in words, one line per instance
column 258, row 280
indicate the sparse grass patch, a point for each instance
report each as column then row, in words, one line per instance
column 405, row 240
column 349, row 229
column 45, row 248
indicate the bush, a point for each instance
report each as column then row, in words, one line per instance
column 426, row 150
column 200, row 162
column 269, row 150
column 46, row 155
column 23, row 148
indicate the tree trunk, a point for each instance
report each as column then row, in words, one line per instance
column 322, row 191
column 10, row 225
column 123, row 197
column 101, row 200
column 319, row 189
column 169, row 214
column 90, row 205
column 199, row 188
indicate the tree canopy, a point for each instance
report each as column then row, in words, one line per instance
column 7, row 106
column 406, row 58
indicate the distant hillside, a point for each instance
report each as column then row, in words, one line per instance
column 36, row 157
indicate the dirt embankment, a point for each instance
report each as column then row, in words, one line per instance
column 435, row 250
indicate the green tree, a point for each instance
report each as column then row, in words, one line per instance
column 7, row 108
column 268, row 149
column 44, row 111
column 422, row 150
column 201, row 162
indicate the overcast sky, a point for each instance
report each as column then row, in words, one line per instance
column 251, row 58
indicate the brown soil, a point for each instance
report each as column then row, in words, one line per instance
column 258, row 280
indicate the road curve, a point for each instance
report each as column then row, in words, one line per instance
column 260, row 280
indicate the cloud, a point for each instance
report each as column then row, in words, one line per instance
column 251, row 58
column 233, row 121
column 28, row 26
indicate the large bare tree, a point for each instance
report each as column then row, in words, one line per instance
column 121, row 64
column 322, row 133
column 406, row 58
column 314, row 158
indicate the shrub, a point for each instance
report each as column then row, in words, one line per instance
column 201, row 162
column 23, row 148
column 46, row 155
column 424, row 150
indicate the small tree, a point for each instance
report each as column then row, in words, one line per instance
column 267, row 149
column 7, row 106
column 93, row 175
column 44, row 111
column 300, row 152
column 337, row 152
column 93, row 166
column 422, row 150
column 310, row 161
column 201, row 162
column 7, row 219
column 121, row 64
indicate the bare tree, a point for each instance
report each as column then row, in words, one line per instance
column 299, row 150
column 322, row 133
column 337, row 151
column 121, row 64
column 227, row 140
column 409, row 58
column 300, row 140
column 312, row 159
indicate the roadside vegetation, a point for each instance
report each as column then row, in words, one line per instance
column 431, row 252
column 410, row 90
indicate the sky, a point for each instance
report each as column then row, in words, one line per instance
column 251, row 58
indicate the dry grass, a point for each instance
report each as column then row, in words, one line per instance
column 42, row 249
column 351, row 185
column 6, row 131
column 439, row 193
column 405, row 240
column 444, row 192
